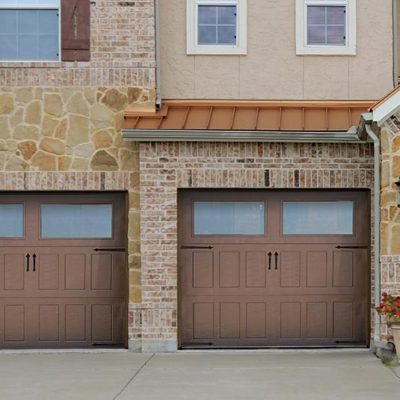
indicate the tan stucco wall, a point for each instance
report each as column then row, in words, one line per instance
column 271, row 69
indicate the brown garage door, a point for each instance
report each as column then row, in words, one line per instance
column 63, row 270
column 274, row 269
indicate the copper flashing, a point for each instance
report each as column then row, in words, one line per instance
column 224, row 115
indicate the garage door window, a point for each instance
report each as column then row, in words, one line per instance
column 76, row 221
column 318, row 218
column 229, row 218
column 12, row 220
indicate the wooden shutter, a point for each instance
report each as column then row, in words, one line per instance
column 75, row 30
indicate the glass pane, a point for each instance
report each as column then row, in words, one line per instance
column 318, row 218
column 336, row 15
column 316, row 15
column 207, row 15
column 48, row 47
column 27, row 47
column 8, row 47
column 8, row 21
column 76, row 221
column 207, row 35
column 227, row 15
column 12, row 220
column 228, row 218
column 316, row 35
column 48, row 22
column 226, row 35
column 27, row 22
column 336, row 35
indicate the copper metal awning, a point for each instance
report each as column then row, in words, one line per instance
column 181, row 119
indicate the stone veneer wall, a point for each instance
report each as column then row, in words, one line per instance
column 390, row 219
column 166, row 167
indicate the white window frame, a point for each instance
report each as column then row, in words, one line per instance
column 302, row 48
column 35, row 6
column 192, row 46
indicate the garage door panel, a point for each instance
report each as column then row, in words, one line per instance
column 229, row 320
column 256, row 269
column 343, row 272
column 75, row 272
column 48, row 266
column 203, row 320
column 15, row 323
column 317, row 269
column 75, row 323
column 203, row 269
column 49, row 322
column 101, row 322
column 290, row 320
column 256, row 320
column 229, row 269
column 290, row 269
column 317, row 320
column 101, row 272
column 343, row 320
column 13, row 272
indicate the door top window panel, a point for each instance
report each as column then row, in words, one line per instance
column 318, row 218
column 229, row 218
column 12, row 220
column 74, row 221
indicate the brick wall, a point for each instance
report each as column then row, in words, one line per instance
column 165, row 167
column 122, row 52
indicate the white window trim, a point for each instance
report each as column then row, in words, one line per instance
column 33, row 6
column 192, row 29
column 302, row 48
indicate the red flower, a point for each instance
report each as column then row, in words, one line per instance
column 384, row 294
column 397, row 313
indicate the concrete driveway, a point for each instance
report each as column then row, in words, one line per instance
column 256, row 375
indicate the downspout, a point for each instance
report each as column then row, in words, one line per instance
column 377, row 219
column 157, row 55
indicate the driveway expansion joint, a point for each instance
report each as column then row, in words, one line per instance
column 142, row 367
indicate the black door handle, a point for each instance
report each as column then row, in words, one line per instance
column 269, row 260
column 34, row 262
column 27, row 262
column 276, row 260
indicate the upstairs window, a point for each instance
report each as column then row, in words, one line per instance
column 216, row 27
column 44, row 30
column 29, row 30
column 326, row 27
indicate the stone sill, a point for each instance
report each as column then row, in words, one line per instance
column 30, row 64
